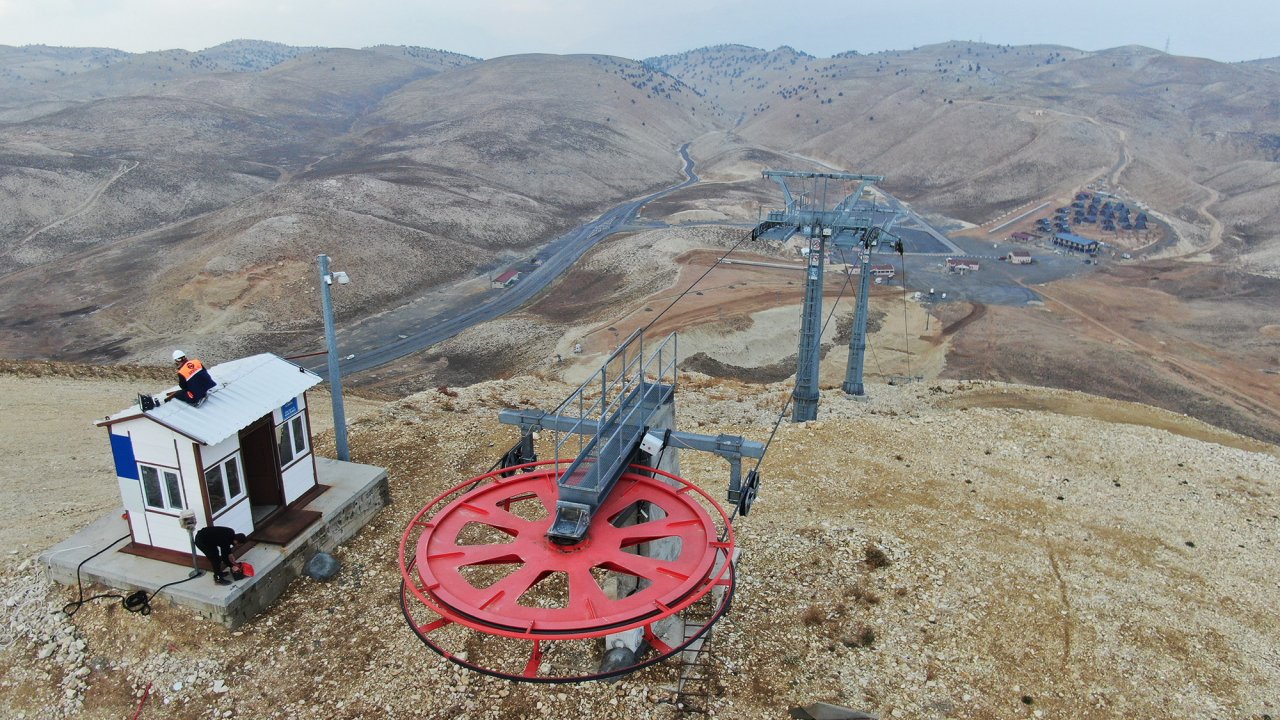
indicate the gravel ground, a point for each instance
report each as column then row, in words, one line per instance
column 926, row 554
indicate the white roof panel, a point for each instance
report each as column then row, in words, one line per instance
column 247, row 389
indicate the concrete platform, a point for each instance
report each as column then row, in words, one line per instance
column 356, row 494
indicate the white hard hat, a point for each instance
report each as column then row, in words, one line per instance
column 178, row 354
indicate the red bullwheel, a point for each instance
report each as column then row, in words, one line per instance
column 482, row 561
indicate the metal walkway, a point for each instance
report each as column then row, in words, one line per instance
column 631, row 388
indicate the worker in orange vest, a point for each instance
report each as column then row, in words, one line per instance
column 194, row 381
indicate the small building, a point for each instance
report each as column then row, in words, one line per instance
column 1022, row 236
column 875, row 270
column 240, row 460
column 1020, row 257
column 506, row 279
column 962, row 265
column 1075, row 242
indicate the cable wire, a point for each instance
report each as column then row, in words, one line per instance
column 136, row 602
column 906, row 342
column 72, row 607
column 786, row 405
column 695, row 283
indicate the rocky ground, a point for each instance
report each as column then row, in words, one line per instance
column 945, row 550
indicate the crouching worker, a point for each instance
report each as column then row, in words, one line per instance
column 219, row 544
column 194, row 381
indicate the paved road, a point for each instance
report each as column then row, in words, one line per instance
column 908, row 219
column 389, row 336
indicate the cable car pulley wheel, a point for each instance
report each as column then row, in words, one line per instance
column 476, row 562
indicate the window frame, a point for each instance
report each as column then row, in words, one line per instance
column 165, row 487
column 224, row 479
column 292, row 436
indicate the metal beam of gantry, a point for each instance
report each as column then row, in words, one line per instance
column 806, row 193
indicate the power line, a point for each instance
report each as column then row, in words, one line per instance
column 694, row 284
column 906, row 341
column 787, row 404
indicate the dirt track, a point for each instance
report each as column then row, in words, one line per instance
column 976, row 312
column 1175, row 336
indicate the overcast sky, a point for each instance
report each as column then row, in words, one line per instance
column 1226, row 30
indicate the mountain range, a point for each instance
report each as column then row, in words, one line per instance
column 148, row 199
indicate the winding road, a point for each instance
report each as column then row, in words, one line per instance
column 389, row 336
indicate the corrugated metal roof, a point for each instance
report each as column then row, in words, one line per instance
column 248, row 388
column 1069, row 237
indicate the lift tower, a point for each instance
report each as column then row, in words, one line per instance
column 858, row 342
column 844, row 225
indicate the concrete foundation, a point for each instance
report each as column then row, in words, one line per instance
column 356, row 493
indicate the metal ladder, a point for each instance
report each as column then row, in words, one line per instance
column 698, row 663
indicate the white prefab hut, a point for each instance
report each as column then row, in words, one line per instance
column 240, row 460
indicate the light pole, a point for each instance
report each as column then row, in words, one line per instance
column 331, row 342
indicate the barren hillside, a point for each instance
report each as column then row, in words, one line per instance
column 198, row 212
column 1047, row 552
column 971, row 130
column 39, row 78
column 190, row 212
column 196, row 167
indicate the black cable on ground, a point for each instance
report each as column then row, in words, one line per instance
column 135, row 602
column 72, row 607
column 140, row 601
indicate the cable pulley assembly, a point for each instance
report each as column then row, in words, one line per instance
column 747, row 496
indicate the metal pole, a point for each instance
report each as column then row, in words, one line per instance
column 335, row 373
column 858, row 343
column 195, row 568
column 806, row 393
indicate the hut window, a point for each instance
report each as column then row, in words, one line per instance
column 160, row 488
column 223, row 483
column 291, row 440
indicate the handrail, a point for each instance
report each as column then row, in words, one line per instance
column 631, row 385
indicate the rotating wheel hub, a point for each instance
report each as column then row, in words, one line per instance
column 482, row 565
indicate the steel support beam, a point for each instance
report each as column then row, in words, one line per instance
column 858, row 343
column 730, row 447
column 805, row 395
column 846, row 229
column 335, row 371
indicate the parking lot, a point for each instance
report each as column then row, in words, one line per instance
column 996, row 282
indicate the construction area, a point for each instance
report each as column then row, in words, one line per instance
column 739, row 558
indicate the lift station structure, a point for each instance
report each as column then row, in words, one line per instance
column 595, row 563
column 851, row 223
column 603, row 560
